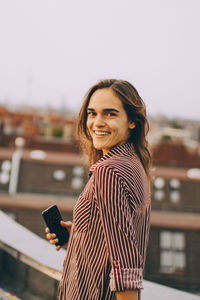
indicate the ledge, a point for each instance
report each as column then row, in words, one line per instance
column 34, row 252
column 178, row 220
column 36, row 201
column 27, row 247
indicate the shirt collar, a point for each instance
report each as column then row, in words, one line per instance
column 124, row 149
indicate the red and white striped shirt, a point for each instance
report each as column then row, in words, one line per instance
column 109, row 235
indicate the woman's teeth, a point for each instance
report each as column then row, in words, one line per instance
column 101, row 133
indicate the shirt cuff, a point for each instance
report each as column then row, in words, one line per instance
column 122, row 279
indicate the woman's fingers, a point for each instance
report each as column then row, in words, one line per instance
column 50, row 236
column 54, row 241
column 67, row 225
column 47, row 230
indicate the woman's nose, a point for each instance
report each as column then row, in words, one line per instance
column 99, row 121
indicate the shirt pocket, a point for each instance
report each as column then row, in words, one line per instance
column 82, row 213
column 82, row 209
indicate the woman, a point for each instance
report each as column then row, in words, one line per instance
column 108, row 238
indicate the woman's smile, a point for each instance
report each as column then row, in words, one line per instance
column 101, row 133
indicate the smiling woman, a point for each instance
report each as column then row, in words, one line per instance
column 109, row 234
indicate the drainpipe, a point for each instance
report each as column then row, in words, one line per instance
column 15, row 165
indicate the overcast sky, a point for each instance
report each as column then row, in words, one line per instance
column 51, row 52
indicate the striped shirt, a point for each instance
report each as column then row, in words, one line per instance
column 108, row 241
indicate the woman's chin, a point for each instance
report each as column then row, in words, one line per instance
column 98, row 146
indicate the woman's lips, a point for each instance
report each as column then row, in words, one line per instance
column 101, row 133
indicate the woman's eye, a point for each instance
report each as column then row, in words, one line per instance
column 91, row 113
column 110, row 114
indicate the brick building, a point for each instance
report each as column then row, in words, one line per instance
column 174, row 246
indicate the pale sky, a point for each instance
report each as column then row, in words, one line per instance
column 52, row 51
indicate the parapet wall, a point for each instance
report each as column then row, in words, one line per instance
column 29, row 265
column 25, row 281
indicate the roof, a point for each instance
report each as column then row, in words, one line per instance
column 175, row 153
column 50, row 156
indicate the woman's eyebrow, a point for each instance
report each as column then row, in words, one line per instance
column 111, row 110
column 105, row 109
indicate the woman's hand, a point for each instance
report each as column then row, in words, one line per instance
column 52, row 236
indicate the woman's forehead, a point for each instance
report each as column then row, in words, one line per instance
column 105, row 99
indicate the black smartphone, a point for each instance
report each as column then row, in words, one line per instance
column 52, row 218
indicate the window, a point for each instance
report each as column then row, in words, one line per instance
column 159, row 185
column 59, row 175
column 174, row 194
column 172, row 252
column 77, row 177
column 167, row 190
column 5, row 172
column 174, row 183
column 38, row 154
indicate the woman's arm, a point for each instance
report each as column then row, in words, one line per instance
column 127, row 295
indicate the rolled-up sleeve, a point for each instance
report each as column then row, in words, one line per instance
column 121, row 235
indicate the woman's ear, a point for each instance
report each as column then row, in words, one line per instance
column 131, row 125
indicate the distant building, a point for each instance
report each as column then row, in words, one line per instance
column 46, row 131
column 174, row 246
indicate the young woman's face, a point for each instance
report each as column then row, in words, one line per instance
column 107, row 120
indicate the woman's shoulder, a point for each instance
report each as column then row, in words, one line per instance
column 119, row 165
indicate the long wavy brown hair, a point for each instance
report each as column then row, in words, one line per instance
column 136, row 111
